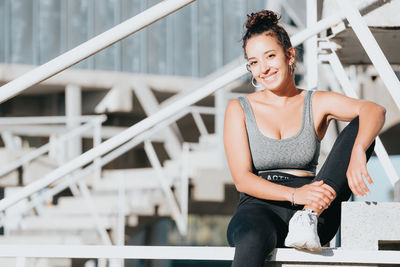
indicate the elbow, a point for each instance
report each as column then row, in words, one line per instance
column 375, row 110
column 381, row 111
column 239, row 187
column 240, row 184
column 242, row 180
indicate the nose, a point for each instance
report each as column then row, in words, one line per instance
column 264, row 66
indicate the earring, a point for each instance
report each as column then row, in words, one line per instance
column 248, row 67
column 254, row 83
column 291, row 68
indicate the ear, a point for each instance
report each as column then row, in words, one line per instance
column 291, row 55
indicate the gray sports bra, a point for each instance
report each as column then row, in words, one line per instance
column 297, row 152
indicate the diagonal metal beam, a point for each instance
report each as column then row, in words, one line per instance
column 349, row 91
column 372, row 49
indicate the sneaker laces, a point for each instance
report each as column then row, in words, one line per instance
column 306, row 216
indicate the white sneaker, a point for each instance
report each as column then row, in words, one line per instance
column 303, row 231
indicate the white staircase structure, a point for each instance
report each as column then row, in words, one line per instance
column 105, row 201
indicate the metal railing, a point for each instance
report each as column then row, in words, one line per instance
column 328, row 255
column 179, row 212
column 90, row 47
column 89, row 122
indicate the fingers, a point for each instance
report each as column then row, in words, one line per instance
column 353, row 184
column 357, row 183
column 322, row 200
column 324, row 189
column 317, row 204
column 326, row 192
column 328, row 187
column 320, row 182
column 367, row 177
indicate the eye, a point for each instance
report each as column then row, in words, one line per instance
column 271, row 55
column 251, row 63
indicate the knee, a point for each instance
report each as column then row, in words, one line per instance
column 351, row 130
column 353, row 127
column 354, row 124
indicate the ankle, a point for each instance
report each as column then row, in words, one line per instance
column 312, row 209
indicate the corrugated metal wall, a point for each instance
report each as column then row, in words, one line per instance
column 194, row 41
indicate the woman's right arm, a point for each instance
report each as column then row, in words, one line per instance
column 239, row 160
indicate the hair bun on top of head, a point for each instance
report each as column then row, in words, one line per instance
column 264, row 17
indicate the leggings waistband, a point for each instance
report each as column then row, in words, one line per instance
column 275, row 176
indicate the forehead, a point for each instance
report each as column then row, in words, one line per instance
column 260, row 44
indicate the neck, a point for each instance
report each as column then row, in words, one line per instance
column 281, row 96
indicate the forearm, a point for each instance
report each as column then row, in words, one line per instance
column 371, row 120
column 258, row 187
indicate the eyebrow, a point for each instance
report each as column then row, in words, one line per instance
column 266, row 52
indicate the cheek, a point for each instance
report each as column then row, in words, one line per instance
column 279, row 62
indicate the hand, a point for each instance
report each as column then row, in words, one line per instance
column 316, row 195
column 355, row 172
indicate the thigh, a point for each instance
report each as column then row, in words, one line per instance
column 255, row 230
column 259, row 222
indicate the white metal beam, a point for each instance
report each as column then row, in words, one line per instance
column 347, row 88
column 311, row 53
column 148, row 101
column 92, row 80
column 90, row 47
column 289, row 255
column 372, row 49
column 162, row 179
column 94, row 213
column 73, row 109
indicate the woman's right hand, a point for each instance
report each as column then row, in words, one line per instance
column 315, row 196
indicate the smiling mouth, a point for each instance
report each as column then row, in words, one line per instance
column 270, row 77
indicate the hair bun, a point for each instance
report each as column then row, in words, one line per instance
column 265, row 17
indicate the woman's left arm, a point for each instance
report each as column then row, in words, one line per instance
column 371, row 120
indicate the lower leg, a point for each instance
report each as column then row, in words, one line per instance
column 333, row 171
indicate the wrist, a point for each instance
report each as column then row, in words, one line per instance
column 288, row 194
column 358, row 148
column 292, row 197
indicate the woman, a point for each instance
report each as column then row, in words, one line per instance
column 272, row 140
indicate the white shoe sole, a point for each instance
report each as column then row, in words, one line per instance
column 303, row 242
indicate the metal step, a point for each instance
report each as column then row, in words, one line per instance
column 352, row 53
column 61, row 224
column 42, row 240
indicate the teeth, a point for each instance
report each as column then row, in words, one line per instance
column 270, row 77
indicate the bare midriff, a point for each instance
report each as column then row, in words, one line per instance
column 300, row 173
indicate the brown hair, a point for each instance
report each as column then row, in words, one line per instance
column 266, row 21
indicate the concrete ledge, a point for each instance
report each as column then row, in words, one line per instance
column 287, row 255
column 364, row 224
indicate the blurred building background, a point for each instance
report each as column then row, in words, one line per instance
column 128, row 82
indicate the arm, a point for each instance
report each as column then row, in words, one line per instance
column 371, row 120
column 239, row 161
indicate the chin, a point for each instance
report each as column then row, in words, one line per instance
column 272, row 86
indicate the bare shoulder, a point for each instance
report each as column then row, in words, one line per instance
column 325, row 95
column 332, row 99
column 234, row 108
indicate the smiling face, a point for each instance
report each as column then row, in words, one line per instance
column 269, row 64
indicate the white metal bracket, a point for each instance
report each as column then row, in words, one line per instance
column 176, row 212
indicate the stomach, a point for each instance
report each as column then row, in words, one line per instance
column 300, row 173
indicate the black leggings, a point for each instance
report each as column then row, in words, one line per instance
column 258, row 226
